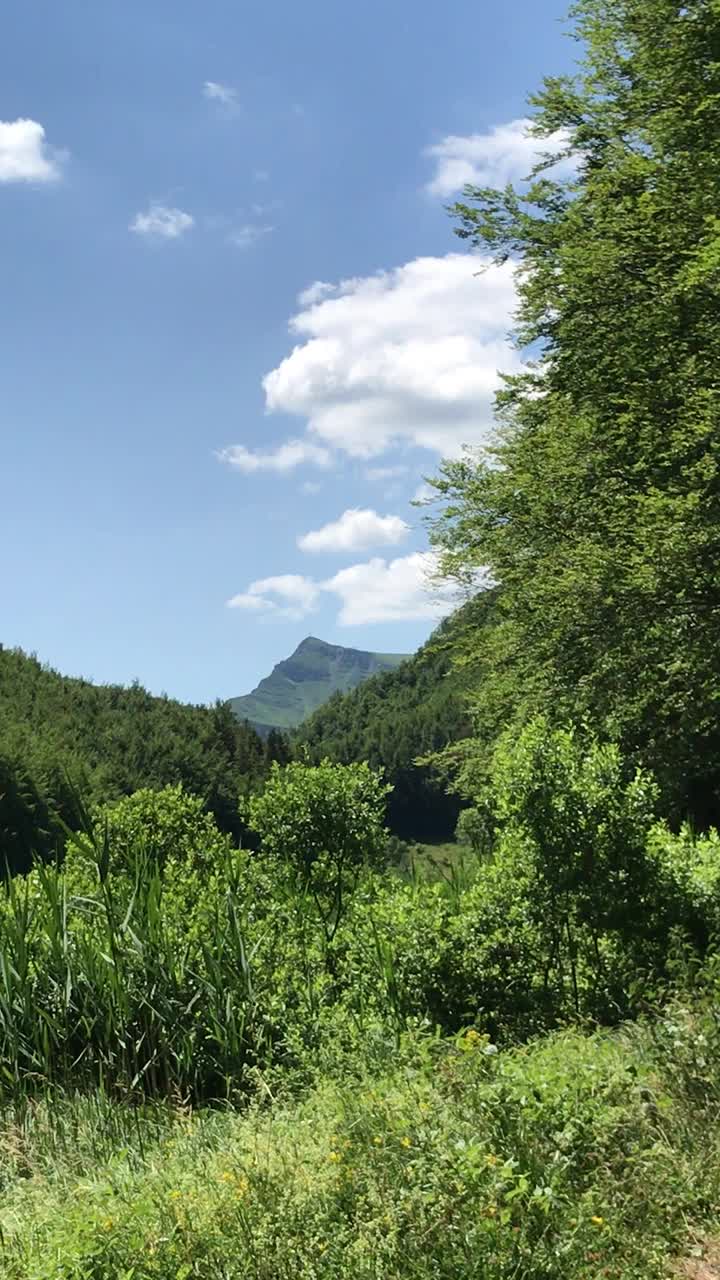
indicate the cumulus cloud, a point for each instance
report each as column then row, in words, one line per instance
column 289, row 595
column 506, row 153
column 356, row 530
column 166, row 224
column 378, row 590
column 400, row 590
column 222, row 94
column 407, row 355
column 291, row 454
column 25, row 155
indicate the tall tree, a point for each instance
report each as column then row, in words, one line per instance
column 598, row 510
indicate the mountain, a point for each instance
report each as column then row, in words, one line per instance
column 304, row 681
column 396, row 716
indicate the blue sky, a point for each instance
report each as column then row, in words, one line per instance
column 236, row 329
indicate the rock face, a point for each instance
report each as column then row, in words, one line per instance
column 301, row 683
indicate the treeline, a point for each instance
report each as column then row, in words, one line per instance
column 66, row 744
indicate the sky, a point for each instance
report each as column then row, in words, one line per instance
column 236, row 329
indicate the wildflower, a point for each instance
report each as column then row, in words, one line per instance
column 176, row 1195
column 377, row 1140
column 596, row 1220
column 109, row 1224
column 491, row 1160
column 405, row 1142
column 227, row 1176
column 335, row 1157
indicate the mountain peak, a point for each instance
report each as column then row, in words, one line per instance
column 301, row 683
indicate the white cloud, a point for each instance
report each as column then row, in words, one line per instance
column 398, row 590
column 168, row 224
column 222, row 93
column 506, row 153
column 315, row 293
column 356, row 530
column 289, row 595
column 25, row 155
column 246, row 236
column 310, row 487
column 407, row 355
column 287, row 456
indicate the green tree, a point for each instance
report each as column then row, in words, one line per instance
column 572, row 826
column 325, row 822
column 598, row 509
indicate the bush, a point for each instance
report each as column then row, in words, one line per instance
column 324, row 823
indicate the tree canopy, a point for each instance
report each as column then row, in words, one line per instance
column 597, row 508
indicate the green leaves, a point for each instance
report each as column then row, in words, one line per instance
column 324, row 822
column 598, row 510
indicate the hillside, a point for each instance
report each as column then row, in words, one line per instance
column 60, row 735
column 396, row 716
column 300, row 684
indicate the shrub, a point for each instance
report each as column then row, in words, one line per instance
column 324, row 822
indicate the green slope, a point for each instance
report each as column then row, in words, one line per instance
column 304, row 681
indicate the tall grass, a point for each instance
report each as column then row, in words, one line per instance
column 105, row 984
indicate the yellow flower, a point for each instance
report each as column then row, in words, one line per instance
column 491, row 1210
column 405, row 1142
column 335, row 1156
column 491, row 1160
column 109, row 1224
column 597, row 1221
column 176, row 1195
column 227, row 1176
column 377, row 1140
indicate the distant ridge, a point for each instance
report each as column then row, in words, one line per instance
column 301, row 683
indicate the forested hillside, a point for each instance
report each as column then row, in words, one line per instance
column 65, row 739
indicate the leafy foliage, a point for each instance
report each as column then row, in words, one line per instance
column 598, row 509
column 325, row 822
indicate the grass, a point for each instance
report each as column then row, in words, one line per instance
column 578, row 1156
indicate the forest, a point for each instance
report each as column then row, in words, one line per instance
column 239, row 1036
